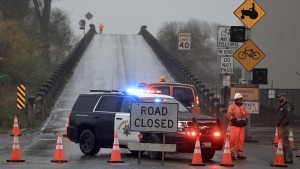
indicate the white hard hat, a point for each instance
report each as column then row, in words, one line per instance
column 238, row 96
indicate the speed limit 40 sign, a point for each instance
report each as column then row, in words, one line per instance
column 184, row 41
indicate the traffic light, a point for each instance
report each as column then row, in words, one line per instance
column 260, row 76
column 237, row 34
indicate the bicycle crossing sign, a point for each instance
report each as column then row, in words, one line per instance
column 249, row 55
column 249, row 13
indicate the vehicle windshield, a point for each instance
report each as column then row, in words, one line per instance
column 181, row 107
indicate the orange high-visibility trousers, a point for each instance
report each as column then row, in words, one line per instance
column 237, row 140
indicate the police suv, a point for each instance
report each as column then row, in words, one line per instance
column 97, row 115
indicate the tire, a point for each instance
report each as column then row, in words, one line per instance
column 154, row 138
column 87, row 143
column 207, row 154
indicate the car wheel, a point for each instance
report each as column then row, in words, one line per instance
column 87, row 143
column 154, row 138
column 207, row 154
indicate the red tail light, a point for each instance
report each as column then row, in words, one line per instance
column 217, row 134
column 191, row 132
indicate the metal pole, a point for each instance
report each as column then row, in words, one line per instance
column 163, row 153
column 139, row 158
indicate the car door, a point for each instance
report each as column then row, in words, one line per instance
column 122, row 123
column 105, row 112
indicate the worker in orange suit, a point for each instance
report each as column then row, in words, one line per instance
column 101, row 26
column 238, row 116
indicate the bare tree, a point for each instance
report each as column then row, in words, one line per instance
column 14, row 9
column 201, row 58
column 43, row 11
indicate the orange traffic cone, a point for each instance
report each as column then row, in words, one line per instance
column 59, row 152
column 15, row 130
column 197, row 157
column 279, row 158
column 116, row 154
column 67, row 124
column 276, row 136
column 291, row 139
column 226, row 160
column 15, row 153
column 227, row 135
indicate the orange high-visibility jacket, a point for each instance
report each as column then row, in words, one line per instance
column 238, row 112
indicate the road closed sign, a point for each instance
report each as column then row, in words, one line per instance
column 154, row 117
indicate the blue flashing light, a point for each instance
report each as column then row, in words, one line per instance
column 134, row 91
column 157, row 100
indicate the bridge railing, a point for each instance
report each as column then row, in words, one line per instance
column 38, row 106
column 210, row 105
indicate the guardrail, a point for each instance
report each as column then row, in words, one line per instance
column 211, row 104
column 39, row 105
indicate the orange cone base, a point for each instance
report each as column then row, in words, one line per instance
column 278, row 165
column 229, row 165
column 15, row 160
column 197, row 164
column 115, row 161
column 59, row 161
column 14, row 135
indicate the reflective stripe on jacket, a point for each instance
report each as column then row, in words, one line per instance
column 238, row 112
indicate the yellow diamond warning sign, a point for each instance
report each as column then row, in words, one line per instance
column 249, row 55
column 249, row 13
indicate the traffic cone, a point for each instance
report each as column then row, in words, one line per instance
column 226, row 160
column 276, row 136
column 291, row 139
column 279, row 158
column 197, row 157
column 227, row 135
column 116, row 154
column 15, row 153
column 15, row 130
column 59, row 152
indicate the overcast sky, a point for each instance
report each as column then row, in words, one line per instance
column 127, row 16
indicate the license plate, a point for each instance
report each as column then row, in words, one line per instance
column 206, row 144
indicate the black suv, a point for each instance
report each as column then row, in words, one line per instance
column 97, row 115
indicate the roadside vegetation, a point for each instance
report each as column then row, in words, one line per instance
column 34, row 39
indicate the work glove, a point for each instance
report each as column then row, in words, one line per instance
column 233, row 121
